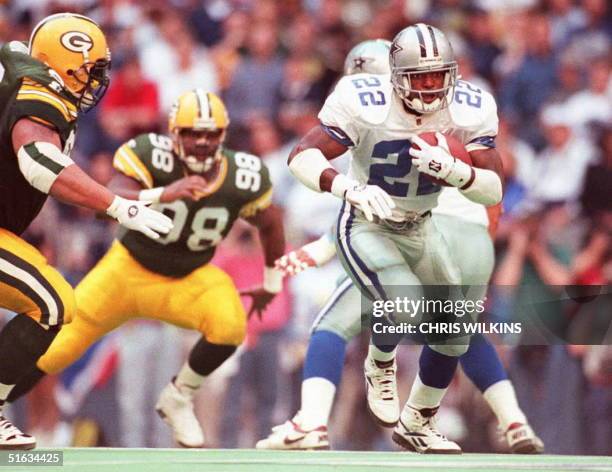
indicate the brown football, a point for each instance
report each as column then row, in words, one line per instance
column 456, row 147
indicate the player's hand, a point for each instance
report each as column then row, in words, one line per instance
column 294, row 262
column 260, row 297
column 436, row 161
column 187, row 187
column 137, row 216
column 372, row 200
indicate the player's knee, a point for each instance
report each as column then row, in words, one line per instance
column 232, row 335
column 70, row 307
column 63, row 310
column 69, row 345
column 230, row 331
column 57, row 359
column 451, row 350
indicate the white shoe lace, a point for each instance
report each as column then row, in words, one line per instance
column 429, row 424
column 383, row 380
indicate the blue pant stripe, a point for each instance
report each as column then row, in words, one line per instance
column 362, row 265
column 364, row 288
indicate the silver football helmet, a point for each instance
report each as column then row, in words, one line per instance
column 371, row 57
column 420, row 49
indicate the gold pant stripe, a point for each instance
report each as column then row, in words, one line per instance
column 24, row 277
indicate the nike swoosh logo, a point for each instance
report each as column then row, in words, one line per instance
column 288, row 441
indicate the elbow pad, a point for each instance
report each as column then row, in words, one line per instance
column 41, row 163
column 486, row 188
column 307, row 166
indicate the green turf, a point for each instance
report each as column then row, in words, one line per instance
column 248, row 460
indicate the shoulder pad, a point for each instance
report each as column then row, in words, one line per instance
column 472, row 106
column 34, row 91
column 14, row 46
column 366, row 97
column 133, row 158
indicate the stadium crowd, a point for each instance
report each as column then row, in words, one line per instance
column 548, row 64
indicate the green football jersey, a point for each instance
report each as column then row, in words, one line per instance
column 241, row 189
column 28, row 89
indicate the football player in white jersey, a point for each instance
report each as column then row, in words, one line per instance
column 385, row 237
column 340, row 319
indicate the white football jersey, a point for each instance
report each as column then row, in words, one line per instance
column 365, row 114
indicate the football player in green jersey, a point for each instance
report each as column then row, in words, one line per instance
column 44, row 85
column 204, row 188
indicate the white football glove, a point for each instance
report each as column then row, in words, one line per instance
column 294, row 262
column 136, row 215
column 372, row 200
column 438, row 162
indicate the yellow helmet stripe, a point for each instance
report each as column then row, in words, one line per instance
column 203, row 103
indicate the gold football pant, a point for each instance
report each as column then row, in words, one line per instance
column 118, row 289
column 30, row 286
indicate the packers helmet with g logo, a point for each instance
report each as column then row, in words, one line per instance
column 75, row 48
column 198, row 122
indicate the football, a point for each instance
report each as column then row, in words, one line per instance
column 456, row 147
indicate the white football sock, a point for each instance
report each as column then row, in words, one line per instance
column 423, row 396
column 501, row 397
column 4, row 393
column 187, row 377
column 380, row 356
column 317, row 400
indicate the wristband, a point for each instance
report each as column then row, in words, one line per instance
column 341, row 184
column 272, row 280
column 460, row 174
column 152, row 195
column 321, row 251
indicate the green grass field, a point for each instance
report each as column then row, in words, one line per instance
column 247, row 460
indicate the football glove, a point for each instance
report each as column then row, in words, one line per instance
column 135, row 215
column 294, row 262
column 371, row 200
column 438, row 162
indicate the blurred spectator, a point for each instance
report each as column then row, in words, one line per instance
column 570, row 79
column 226, row 53
column 596, row 201
column 257, row 78
column 526, row 90
column 131, row 105
column 565, row 19
column 594, row 103
column 592, row 39
column 481, row 43
column 176, row 63
column 559, row 170
column 206, row 20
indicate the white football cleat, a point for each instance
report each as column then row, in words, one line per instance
column 522, row 439
column 11, row 436
column 381, row 391
column 290, row 436
column 417, row 432
column 175, row 407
